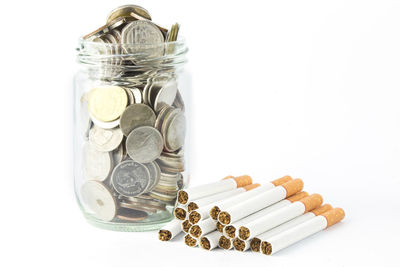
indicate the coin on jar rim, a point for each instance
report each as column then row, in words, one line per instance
column 97, row 165
column 144, row 144
column 175, row 132
column 139, row 34
column 131, row 215
column 126, row 11
column 110, row 26
column 105, row 140
column 130, row 178
column 107, row 103
column 136, row 115
column 99, row 200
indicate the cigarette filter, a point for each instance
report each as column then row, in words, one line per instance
column 224, row 204
column 185, row 226
column 273, row 219
column 230, row 229
column 170, row 230
column 202, row 228
column 195, row 204
column 260, row 201
column 210, row 241
column 180, row 212
column 189, row 194
column 204, row 211
column 301, row 231
column 225, row 243
column 190, row 241
column 255, row 243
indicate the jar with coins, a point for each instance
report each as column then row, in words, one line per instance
column 130, row 116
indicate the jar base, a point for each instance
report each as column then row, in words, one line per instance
column 153, row 223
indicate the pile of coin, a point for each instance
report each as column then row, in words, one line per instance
column 133, row 155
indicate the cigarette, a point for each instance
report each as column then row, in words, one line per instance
column 180, row 212
column 196, row 204
column 255, row 243
column 219, row 226
column 273, row 219
column 210, row 241
column 202, row 228
column 301, row 231
column 230, row 229
column 190, row 241
column 224, row 204
column 189, row 194
column 185, row 226
column 225, row 243
column 170, row 230
column 204, row 211
column 240, row 245
column 260, row 201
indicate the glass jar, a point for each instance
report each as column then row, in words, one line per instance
column 130, row 113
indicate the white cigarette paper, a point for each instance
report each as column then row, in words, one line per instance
column 296, row 221
column 170, row 230
column 230, row 231
column 189, row 194
column 210, row 241
column 213, row 198
column 203, row 212
column 232, row 201
column 260, row 201
column 273, row 219
column 301, row 231
column 202, row 228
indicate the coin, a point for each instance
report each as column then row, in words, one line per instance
column 111, row 25
column 130, row 178
column 178, row 102
column 107, row 103
column 105, row 125
column 136, row 115
column 144, row 144
column 126, row 11
column 141, row 207
column 137, row 94
column 165, row 95
column 119, row 154
column 97, row 165
column 155, row 174
column 105, row 139
column 99, row 199
column 140, row 34
column 131, row 215
column 131, row 98
column 175, row 132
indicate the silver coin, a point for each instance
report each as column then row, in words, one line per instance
column 138, row 35
column 105, row 139
column 175, row 132
column 130, row 95
column 130, row 178
column 104, row 125
column 137, row 95
column 119, row 154
column 99, row 200
column 97, row 165
column 136, row 115
column 178, row 102
column 155, row 174
column 166, row 94
column 144, row 144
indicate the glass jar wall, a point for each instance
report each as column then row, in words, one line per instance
column 130, row 128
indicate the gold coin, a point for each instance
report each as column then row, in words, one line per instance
column 128, row 11
column 107, row 103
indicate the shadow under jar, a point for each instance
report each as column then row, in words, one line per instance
column 130, row 129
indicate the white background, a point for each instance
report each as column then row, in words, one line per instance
column 306, row 88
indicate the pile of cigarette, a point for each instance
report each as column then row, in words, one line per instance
column 236, row 213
